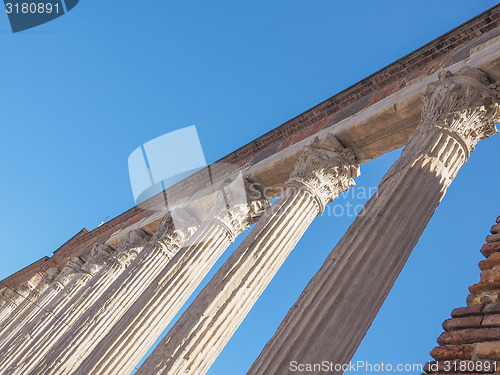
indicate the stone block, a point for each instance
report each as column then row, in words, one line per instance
column 495, row 229
column 441, row 353
column 488, row 350
column 469, row 336
column 490, row 248
column 492, row 320
column 461, row 323
column 485, row 286
column 491, row 275
column 493, row 238
column 472, row 299
column 467, row 311
column 491, row 309
column 492, row 261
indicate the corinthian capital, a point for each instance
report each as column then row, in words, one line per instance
column 20, row 294
column 238, row 206
column 325, row 169
column 46, row 281
column 99, row 255
column 465, row 104
column 129, row 248
column 72, row 266
column 171, row 234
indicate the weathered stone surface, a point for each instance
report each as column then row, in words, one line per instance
column 485, row 286
column 492, row 320
column 472, row 300
column 488, row 350
column 493, row 238
column 460, row 323
column 492, row 309
column 490, row 248
column 491, row 275
column 441, row 353
column 487, row 298
column 469, row 336
column 495, row 229
column 492, row 261
column 467, row 311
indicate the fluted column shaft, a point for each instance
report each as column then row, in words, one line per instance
column 75, row 300
column 70, row 269
column 131, row 338
column 337, row 307
column 47, row 321
column 35, row 298
column 69, row 350
column 51, row 302
column 194, row 342
column 14, row 299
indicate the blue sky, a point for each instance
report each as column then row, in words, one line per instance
column 80, row 93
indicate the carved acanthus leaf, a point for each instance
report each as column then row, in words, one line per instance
column 47, row 280
column 464, row 104
column 99, row 255
column 171, row 235
column 326, row 169
column 130, row 247
column 236, row 206
column 72, row 266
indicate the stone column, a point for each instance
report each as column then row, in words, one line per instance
column 31, row 302
column 324, row 170
column 337, row 307
column 14, row 298
column 130, row 339
column 70, row 304
column 14, row 339
column 36, row 318
column 96, row 320
column 34, row 294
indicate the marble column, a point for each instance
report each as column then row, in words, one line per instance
column 70, row 304
column 337, row 307
column 324, row 170
column 17, row 338
column 38, row 316
column 130, row 339
column 96, row 320
column 14, row 298
column 30, row 302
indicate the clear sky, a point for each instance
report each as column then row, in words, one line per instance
column 80, row 93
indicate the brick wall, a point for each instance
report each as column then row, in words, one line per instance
column 470, row 342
